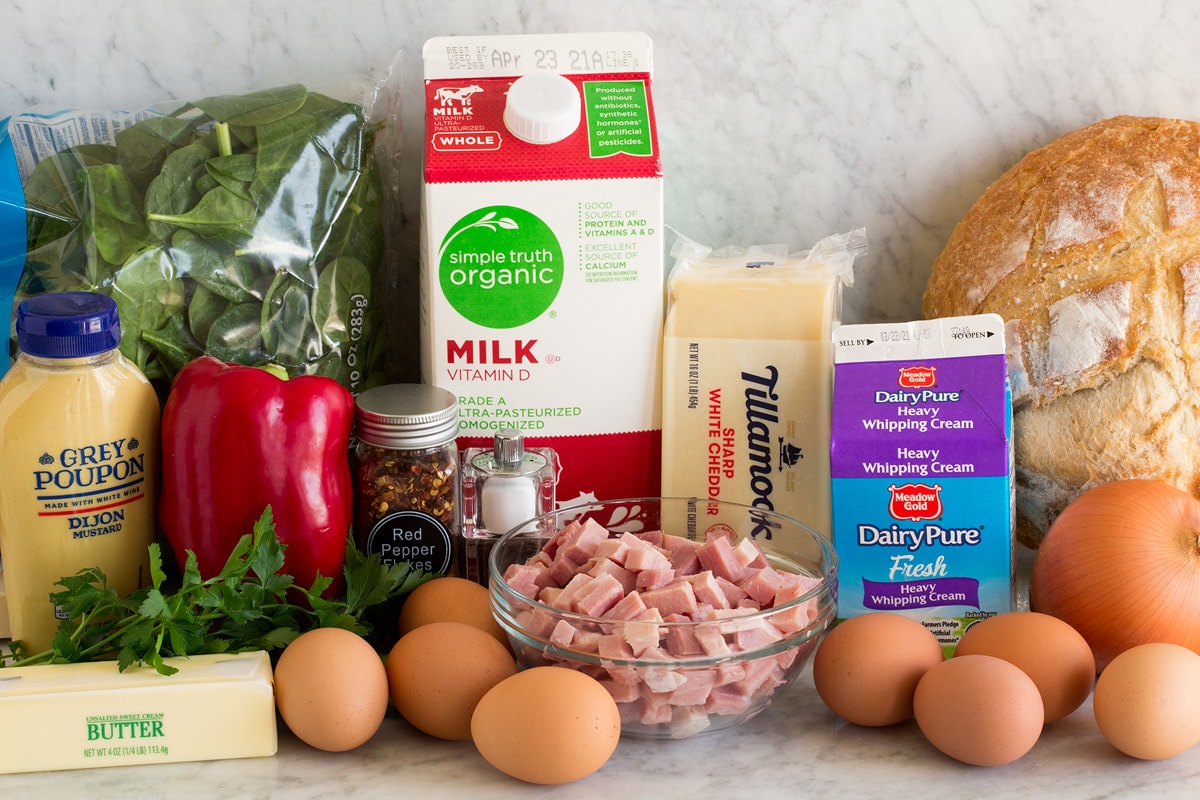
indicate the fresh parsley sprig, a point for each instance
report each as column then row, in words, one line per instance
column 249, row 605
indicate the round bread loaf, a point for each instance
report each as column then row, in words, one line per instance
column 1089, row 248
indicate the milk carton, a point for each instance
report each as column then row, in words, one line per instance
column 921, row 463
column 542, row 250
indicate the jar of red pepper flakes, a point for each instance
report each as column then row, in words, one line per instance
column 406, row 476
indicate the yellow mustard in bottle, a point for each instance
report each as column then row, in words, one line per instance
column 79, row 450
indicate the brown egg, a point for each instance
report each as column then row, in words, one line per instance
column 331, row 689
column 980, row 710
column 1048, row 650
column 1146, row 703
column 547, row 725
column 436, row 674
column 867, row 667
column 450, row 599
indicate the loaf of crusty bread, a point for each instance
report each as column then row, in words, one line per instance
column 1089, row 248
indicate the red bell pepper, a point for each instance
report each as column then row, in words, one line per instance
column 236, row 439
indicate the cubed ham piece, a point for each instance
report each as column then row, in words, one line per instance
column 622, row 692
column 561, row 571
column 613, row 646
column 538, row 622
column 614, row 549
column 601, row 565
column 761, row 584
column 647, row 579
column 688, row 721
column 730, row 673
column 696, row 686
column 681, row 640
column 679, row 544
column 523, row 579
column 717, row 556
column 728, row 699
column 720, row 532
column 708, row 590
column 643, row 633
column 654, row 713
column 749, row 554
column 761, row 672
column 676, row 597
column 734, row 594
column 752, row 637
column 597, row 596
column 550, row 548
column 643, row 556
column 565, row 599
column 563, row 634
column 628, row 607
column 663, row 680
column 654, row 537
column 582, row 544
column 712, row 640
column 801, row 615
column 685, row 562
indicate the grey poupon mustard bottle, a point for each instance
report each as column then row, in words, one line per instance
column 79, row 450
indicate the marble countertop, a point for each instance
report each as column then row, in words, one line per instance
column 795, row 748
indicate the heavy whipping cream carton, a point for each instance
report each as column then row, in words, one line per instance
column 542, row 250
column 922, row 472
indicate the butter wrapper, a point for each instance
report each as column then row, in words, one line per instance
column 74, row 716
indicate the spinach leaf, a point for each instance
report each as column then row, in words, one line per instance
column 174, row 344
column 237, row 278
column 53, row 196
column 343, row 285
column 320, row 146
column 148, row 294
column 142, row 148
column 220, row 214
column 236, row 335
column 203, row 310
column 173, row 192
column 115, row 222
column 287, row 323
column 255, row 108
column 234, row 172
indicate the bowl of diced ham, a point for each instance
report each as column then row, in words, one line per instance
column 693, row 613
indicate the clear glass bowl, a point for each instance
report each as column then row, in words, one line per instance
column 679, row 660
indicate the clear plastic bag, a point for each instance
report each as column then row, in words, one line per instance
column 248, row 227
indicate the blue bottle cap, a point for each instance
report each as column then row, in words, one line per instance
column 68, row 325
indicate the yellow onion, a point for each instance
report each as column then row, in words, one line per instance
column 1121, row 565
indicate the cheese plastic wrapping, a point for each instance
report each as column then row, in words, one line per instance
column 72, row 716
column 748, row 373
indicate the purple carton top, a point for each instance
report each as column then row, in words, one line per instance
column 917, row 416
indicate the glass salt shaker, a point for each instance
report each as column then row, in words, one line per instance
column 501, row 487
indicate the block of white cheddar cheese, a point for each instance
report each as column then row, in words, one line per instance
column 5, row 629
column 72, row 716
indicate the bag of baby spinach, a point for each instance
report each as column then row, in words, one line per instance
column 247, row 227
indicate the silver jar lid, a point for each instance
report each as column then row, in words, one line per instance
column 407, row 416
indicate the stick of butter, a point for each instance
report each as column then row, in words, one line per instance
column 73, row 716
